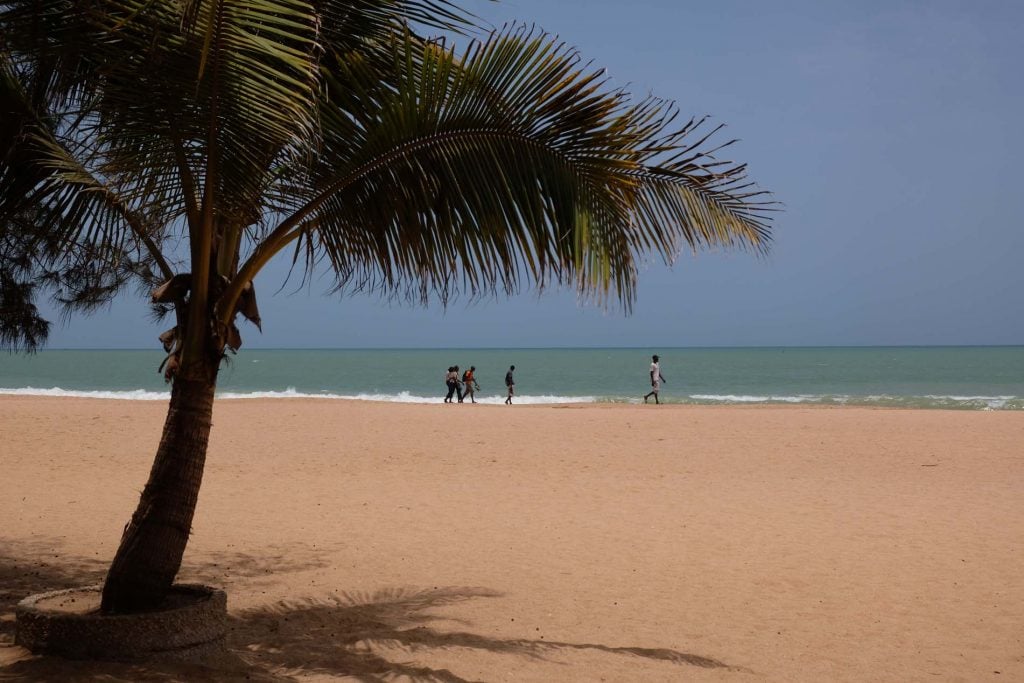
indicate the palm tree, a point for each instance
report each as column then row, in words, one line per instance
column 180, row 146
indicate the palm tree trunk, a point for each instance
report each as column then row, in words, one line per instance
column 154, row 540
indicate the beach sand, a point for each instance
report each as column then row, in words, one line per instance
column 549, row 543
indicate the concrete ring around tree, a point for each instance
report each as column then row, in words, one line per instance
column 67, row 623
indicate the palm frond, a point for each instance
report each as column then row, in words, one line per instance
column 396, row 161
column 510, row 161
column 21, row 325
column 351, row 24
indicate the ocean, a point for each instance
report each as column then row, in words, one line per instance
column 964, row 378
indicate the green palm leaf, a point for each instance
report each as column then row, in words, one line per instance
column 511, row 161
column 240, row 128
column 395, row 160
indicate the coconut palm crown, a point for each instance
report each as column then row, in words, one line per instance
column 178, row 146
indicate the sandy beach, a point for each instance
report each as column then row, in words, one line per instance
column 372, row 541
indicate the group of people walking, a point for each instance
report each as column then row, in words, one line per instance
column 462, row 387
column 466, row 386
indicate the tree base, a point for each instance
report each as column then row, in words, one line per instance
column 190, row 626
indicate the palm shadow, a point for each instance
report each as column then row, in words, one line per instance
column 336, row 636
column 37, row 567
column 333, row 636
column 30, row 567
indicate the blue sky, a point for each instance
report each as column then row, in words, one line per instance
column 891, row 131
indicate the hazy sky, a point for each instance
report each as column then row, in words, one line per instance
column 891, row 131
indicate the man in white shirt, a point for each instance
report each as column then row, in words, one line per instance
column 656, row 379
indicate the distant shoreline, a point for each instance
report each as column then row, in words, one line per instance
column 493, row 401
column 645, row 348
column 966, row 378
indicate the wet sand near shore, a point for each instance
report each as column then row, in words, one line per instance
column 582, row 542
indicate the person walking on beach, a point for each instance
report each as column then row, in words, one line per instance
column 458, row 383
column 469, row 380
column 656, row 379
column 452, row 380
column 510, row 382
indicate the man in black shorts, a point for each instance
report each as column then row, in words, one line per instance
column 510, row 382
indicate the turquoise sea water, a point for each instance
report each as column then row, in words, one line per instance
column 971, row 378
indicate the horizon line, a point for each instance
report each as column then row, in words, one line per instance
column 548, row 348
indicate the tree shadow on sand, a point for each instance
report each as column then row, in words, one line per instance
column 355, row 635
column 336, row 636
column 30, row 567
column 35, row 568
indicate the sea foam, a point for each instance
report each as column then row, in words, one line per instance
column 126, row 395
column 940, row 401
column 290, row 392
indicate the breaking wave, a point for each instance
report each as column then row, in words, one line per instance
column 949, row 402
column 290, row 392
column 931, row 401
column 126, row 395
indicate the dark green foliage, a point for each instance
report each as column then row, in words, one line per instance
column 239, row 129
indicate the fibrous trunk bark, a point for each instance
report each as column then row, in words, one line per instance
column 154, row 540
